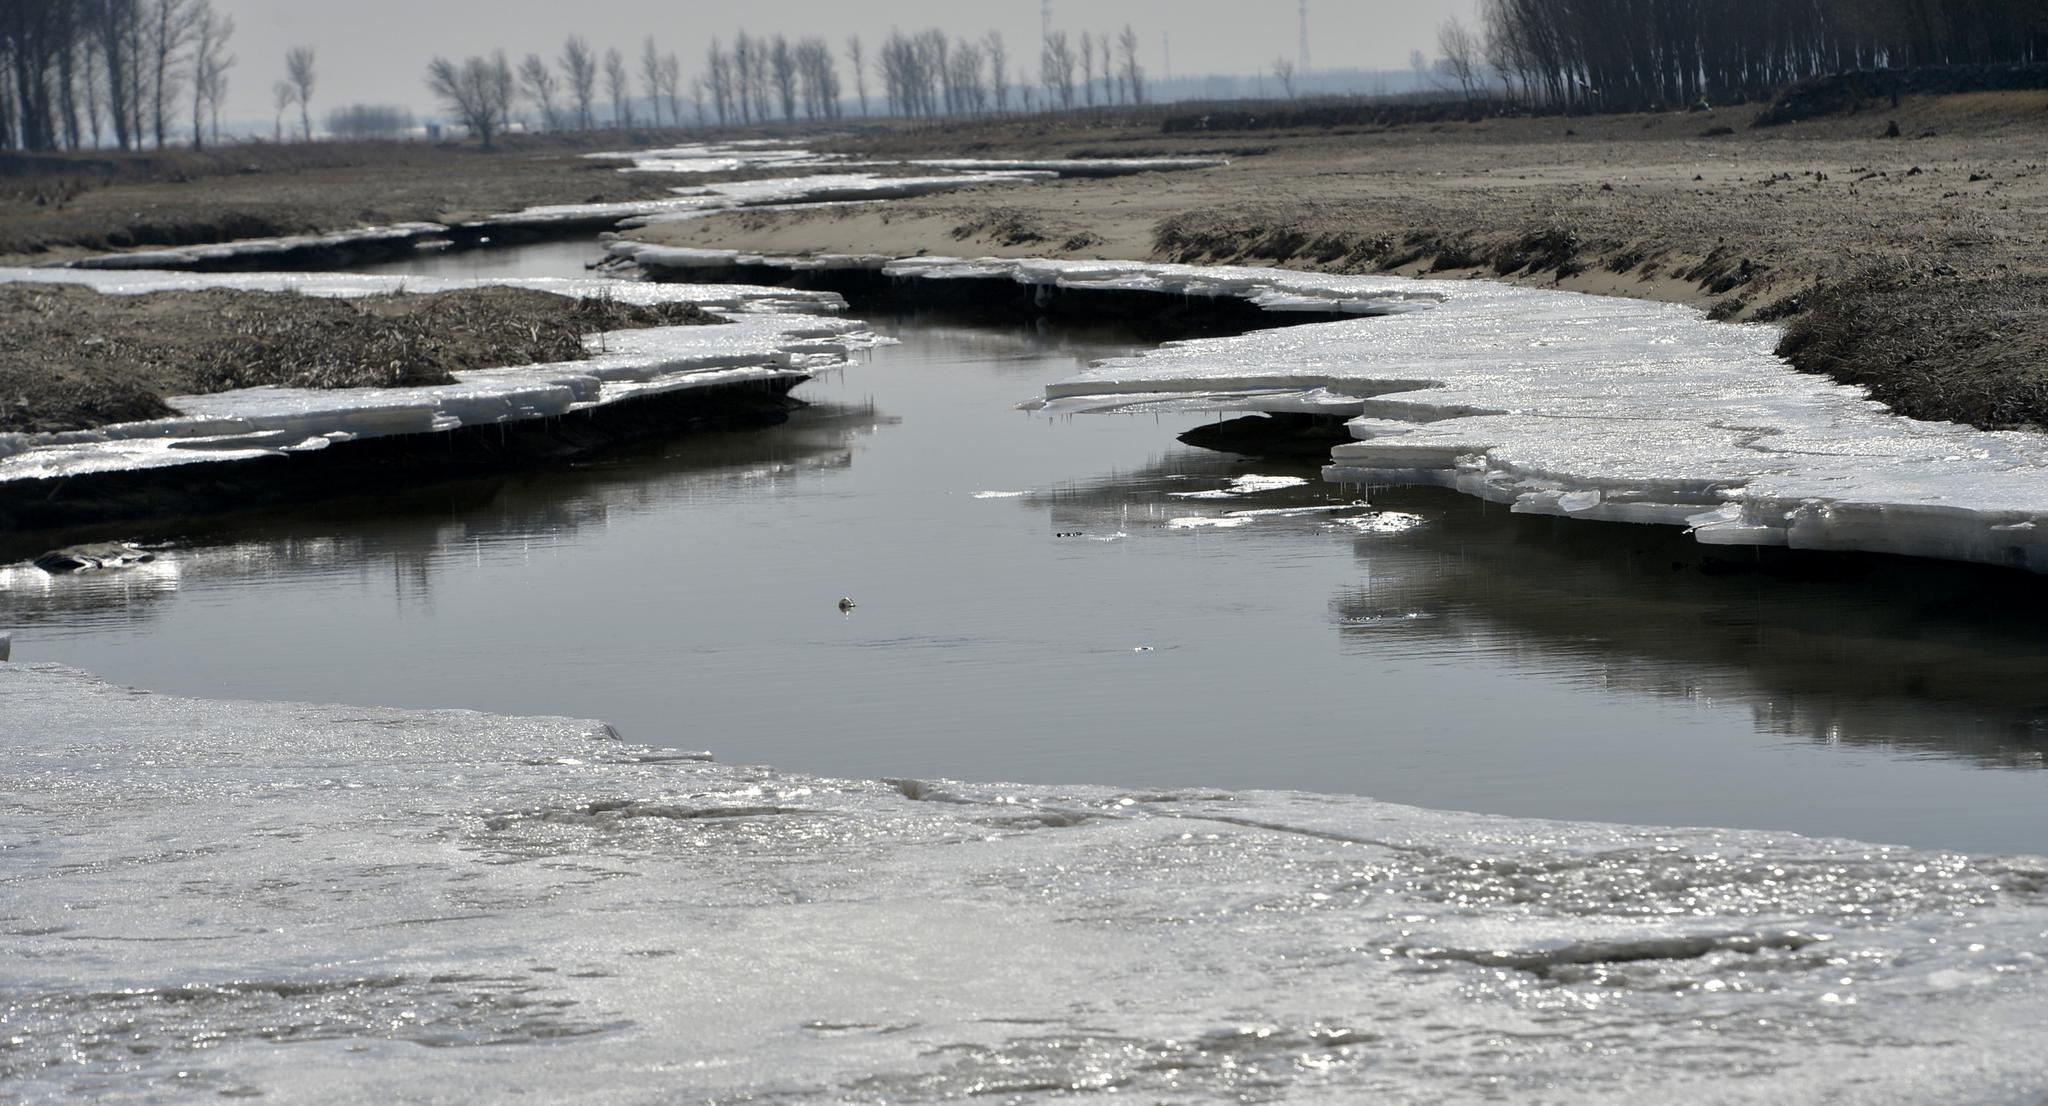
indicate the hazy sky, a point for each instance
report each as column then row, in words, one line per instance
column 375, row 51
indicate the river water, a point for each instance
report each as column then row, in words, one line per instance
column 1084, row 600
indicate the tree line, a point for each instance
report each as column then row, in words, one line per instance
column 75, row 72
column 765, row 78
column 1622, row 55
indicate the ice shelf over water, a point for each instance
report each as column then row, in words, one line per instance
column 1559, row 403
column 767, row 339
column 182, row 257
column 290, row 901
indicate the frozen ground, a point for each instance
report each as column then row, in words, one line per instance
column 765, row 340
column 1559, row 403
column 349, row 904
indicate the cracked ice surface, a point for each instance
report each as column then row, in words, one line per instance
column 764, row 341
column 194, row 885
column 1570, row 404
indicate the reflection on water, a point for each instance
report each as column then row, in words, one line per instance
column 1083, row 600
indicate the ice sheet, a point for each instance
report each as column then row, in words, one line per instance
column 1563, row 403
column 188, row 256
column 210, row 899
column 764, row 341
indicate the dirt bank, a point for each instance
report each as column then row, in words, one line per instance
column 1911, row 264
column 76, row 358
column 60, row 206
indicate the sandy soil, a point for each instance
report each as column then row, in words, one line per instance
column 77, row 358
column 1887, row 253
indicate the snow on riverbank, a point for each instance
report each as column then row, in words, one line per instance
column 1553, row 402
column 765, row 341
column 288, row 899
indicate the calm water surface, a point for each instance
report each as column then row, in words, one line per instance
column 1045, row 600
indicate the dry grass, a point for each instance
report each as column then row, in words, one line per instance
column 79, row 359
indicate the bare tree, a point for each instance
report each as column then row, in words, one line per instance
column 579, row 68
column 782, row 70
column 669, row 76
column 539, row 84
column 1283, row 68
column 718, row 76
column 1088, row 68
column 1133, row 73
column 619, row 87
column 170, row 24
column 478, row 91
column 817, row 79
column 210, row 64
column 298, row 69
column 1461, row 50
column 1056, row 69
column 1109, row 81
column 856, row 61
column 697, row 90
column 745, row 60
column 998, row 71
column 282, row 97
column 92, row 72
column 650, row 76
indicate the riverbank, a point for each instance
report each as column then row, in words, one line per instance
column 1909, row 265
column 78, row 358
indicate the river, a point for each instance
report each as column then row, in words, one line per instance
column 1051, row 600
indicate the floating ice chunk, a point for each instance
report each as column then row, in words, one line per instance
column 1380, row 522
column 1208, row 522
column 1245, row 485
column 999, row 495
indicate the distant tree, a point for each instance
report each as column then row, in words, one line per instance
column 579, row 69
column 298, row 69
column 668, row 76
column 855, row 61
column 1056, row 68
column 998, row 71
column 168, row 30
column 1133, row 73
column 1109, row 82
column 650, row 76
column 360, row 121
column 1088, row 68
column 282, row 97
column 210, row 64
column 1461, row 54
column 538, row 82
column 718, row 80
column 1283, row 69
column 782, row 70
column 619, row 87
column 479, row 92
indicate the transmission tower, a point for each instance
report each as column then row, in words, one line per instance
column 1301, row 63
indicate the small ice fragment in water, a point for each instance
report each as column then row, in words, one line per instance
column 1193, row 522
column 1382, row 522
column 999, row 495
column 1245, row 485
column 1142, row 649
